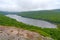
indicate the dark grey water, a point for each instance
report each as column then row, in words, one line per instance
column 39, row 23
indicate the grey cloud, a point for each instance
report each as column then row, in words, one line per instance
column 26, row 5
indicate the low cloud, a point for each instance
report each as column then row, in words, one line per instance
column 26, row 5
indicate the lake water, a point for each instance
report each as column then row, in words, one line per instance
column 34, row 22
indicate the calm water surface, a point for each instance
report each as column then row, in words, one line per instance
column 39, row 23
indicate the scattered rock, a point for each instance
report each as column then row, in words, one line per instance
column 12, row 33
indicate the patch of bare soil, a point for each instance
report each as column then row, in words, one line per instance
column 12, row 33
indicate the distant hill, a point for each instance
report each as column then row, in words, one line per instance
column 57, row 10
column 6, row 12
column 48, row 15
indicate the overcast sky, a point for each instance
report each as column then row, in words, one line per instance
column 23, row 5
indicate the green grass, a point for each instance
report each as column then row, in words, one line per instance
column 48, row 32
column 55, row 33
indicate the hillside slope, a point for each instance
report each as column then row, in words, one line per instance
column 48, row 15
column 6, row 21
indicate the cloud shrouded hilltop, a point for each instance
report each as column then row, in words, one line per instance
column 26, row 5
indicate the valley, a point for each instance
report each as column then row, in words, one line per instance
column 36, row 18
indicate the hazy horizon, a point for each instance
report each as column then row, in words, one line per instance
column 28, row 5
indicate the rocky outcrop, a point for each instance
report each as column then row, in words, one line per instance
column 12, row 33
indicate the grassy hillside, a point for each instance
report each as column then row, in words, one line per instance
column 54, row 33
column 6, row 21
column 50, row 15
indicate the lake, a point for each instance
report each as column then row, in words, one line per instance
column 34, row 22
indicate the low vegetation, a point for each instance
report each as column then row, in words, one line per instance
column 50, row 16
column 48, row 32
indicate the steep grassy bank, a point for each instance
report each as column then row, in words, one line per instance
column 54, row 33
